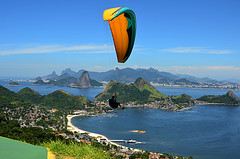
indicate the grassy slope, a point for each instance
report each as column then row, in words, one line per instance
column 76, row 150
column 62, row 100
column 15, row 149
column 7, row 97
column 155, row 93
column 30, row 95
column 182, row 99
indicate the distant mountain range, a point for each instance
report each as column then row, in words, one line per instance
column 83, row 81
column 129, row 75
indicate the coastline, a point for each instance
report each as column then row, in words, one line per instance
column 72, row 128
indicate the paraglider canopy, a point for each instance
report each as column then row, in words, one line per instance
column 122, row 23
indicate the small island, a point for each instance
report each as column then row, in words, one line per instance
column 13, row 84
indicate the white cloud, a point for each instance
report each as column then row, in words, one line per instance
column 58, row 48
column 199, row 50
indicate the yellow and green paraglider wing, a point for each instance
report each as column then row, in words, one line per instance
column 122, row 23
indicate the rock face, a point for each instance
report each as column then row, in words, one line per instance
column 141, row 82
column 231, row 94
column 84, row 80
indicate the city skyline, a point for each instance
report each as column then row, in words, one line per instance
column 198, row 38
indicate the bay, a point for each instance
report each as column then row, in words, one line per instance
column 206, row 132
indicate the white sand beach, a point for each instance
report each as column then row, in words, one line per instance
column 72, row 128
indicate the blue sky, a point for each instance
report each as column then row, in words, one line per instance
column 194, row 37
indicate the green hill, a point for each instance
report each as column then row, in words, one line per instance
column 145, row 85
column 229, row 98
column 62, row 100
column 181, row 99
column 140, row 91
column 29, row 95
column 59, row 99
column 8, row 98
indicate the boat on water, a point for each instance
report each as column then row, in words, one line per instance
column 110, row 115
column 131, row 141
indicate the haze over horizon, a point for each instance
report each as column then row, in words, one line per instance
column 76, row 71
column 197, row 38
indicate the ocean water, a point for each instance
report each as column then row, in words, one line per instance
column 206, row 132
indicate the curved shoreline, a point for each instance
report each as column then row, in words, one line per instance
column 73, row 128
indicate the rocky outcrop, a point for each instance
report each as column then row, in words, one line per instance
column 231, row 94
column 106, row 93
column 141, row 82
column 84, row 80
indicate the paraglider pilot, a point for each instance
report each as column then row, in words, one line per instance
column 113, row 103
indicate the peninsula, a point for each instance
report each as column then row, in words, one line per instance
column 227, row 99
column 142, row 94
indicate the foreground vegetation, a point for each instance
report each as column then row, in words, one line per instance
column 57, row 144
column 66, row 148
column 32, row 135
column 75, row 150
